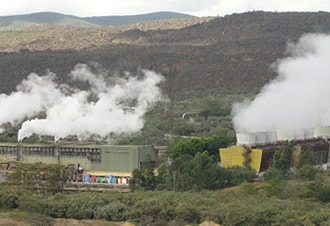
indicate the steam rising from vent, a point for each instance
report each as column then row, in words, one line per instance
column 298, row 97
column 110, row 106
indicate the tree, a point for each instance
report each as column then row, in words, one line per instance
column 38, row 177
column 144, row 178
column 180, row 171
column 282, row 158
column 307, row 157
column 164, row 178
column 195, row 145
column 188, row 147
column 237, row 174
column 205, row 172
column 192, row 173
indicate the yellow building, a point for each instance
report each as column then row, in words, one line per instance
column 260, row 157
column 241, row 156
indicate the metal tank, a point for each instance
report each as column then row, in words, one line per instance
column 245, row 138
column 322, row 132
column 298, row 134
column 256, row 138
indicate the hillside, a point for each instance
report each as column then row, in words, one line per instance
column 208, row 64
column 231, row 53
column 126, row 20
column 18, row 22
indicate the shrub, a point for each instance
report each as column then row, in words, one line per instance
column 18, row 215
column 9, row 199
column 307, row 172
column 275, row 187
column 236, row 175
column 115, row 211
column 188, row 214
column 324, row 193
column 250, row 188
column 282, row 158
column 272, row 173
column 307, row 157
column 32, row 203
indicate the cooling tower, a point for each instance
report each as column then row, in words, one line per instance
column 256, row 138
column 322, row 132
column 300, row 134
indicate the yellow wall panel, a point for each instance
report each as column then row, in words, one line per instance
column 296, row 156
column 234, row 156
column 256, row 156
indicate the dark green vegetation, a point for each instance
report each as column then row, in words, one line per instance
column 188, row 172
column 292, row 202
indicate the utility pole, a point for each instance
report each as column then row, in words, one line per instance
column 174, row 174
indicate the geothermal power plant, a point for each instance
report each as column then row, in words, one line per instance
column 256, row 149
column 86, row 166
column 257, row 138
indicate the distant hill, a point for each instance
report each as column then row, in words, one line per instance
column 18, row 22
column 125, row 20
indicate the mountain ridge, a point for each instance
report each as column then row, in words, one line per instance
column 16, row 22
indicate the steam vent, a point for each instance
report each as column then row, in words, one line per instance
column 256, row 149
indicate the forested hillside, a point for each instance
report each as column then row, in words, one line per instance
column 207, row 65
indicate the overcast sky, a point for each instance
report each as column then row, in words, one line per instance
column 130, row 7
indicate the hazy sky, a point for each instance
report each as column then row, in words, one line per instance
column 129, row 7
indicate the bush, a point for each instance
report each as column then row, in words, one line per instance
column 307, row 157
column 324, row 193
column 9, row 198
column 57, row 206
column 32, row 203
column 318, row 217
column 236, row 175
column 282, row 158
column 18, row 215
column 275, row 187
column 307, row 172
column 250, row 188
column 115, row 211
column 273, row 173
column 188, row 214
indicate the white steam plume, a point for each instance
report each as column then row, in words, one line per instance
column 108, row 107
column 298, row 97
column 32, row 96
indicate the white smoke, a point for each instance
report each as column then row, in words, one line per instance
column 298, row 97
column 32, row 96
column 113, row 106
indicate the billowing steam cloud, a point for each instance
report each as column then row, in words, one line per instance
column 109, row 106
column 298, row 97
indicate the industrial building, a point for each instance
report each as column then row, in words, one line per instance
column 87, row 163
column 257, row 149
